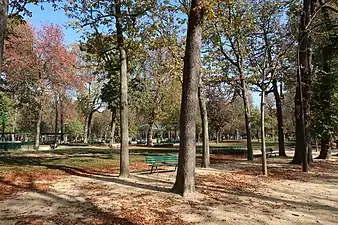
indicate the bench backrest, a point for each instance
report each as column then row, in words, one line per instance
column 161, row 158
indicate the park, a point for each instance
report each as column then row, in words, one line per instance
column 168, row 112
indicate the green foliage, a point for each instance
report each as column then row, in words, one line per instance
column 325, row 101
column 74, row 128
column 6, row 111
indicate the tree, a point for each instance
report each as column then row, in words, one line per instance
column 185, row 179
column 228, row 41
column 304, row 78
column 271, row 43
column 24, row 70
column 120, row 17
column 3, row 18
column 74, row 129
column 219, row 114
column 325, row 86
column 205, row 125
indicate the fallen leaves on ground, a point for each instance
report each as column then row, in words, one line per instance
column 13, row 181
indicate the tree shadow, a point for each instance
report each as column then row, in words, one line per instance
column 246, row 193
column 90, row 211
column 76, row 171
column 96, row 176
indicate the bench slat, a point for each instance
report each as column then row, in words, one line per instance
column 162, row 160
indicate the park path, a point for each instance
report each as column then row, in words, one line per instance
column 224, row 198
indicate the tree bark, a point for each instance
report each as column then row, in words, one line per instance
column 3, row 18
column 185, row 179
column 14, row 122
column 124, row 152
column 62, row 120
column 264, row 164
column 150, row 135
column 280, row 123
column 113, row 126
column 304, row 77
column 85, row 130
column 247, row 118
column 56, row 121
column 205, row 127
column 38, row 129
column 325, row 147
column 90, row 118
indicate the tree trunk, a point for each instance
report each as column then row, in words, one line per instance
column 247, row 118
column 304, row 76
column 38, row 126
column 3, row 18
column 325, row 147
column 327, row 86
column 264, row 164
column 14, row 122
column 56, row 121
column 124, row 152
column 89, row 121
column 185, row 179
column 280, row 123
column 298, row 156
column 205, row 127
column 217, row 137
column 113, row 125
column 62, row 120
column 85, row 130
column 150, row 135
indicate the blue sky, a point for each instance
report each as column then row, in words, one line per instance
column 49, row 15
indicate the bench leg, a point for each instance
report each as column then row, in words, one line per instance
column 175, row 167
column 151, row 169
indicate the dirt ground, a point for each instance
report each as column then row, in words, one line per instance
column 231, row 192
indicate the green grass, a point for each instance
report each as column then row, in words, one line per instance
column 97, row 159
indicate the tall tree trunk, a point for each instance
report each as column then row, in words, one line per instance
column 185, row 179
column 217, row 137
column 14, row 122
column 247, row 118
column 124, row 152
column 264, row 164
column 89, row 121
column 62, row 120
column 113, row 126
column 150, row 135
column 304, row 77
column 56, row 121
column 325, row 146
column 85, row 130
column 298, row 155
column 3, row 18
column 205, row 127
column 280, row 123
column 327, row 85
column 38, row 128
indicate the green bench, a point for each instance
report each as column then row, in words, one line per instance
column 161, row 160
column 8, row 145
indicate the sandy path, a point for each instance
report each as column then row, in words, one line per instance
column 144, row 199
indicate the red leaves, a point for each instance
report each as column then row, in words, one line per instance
column 40, row 58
